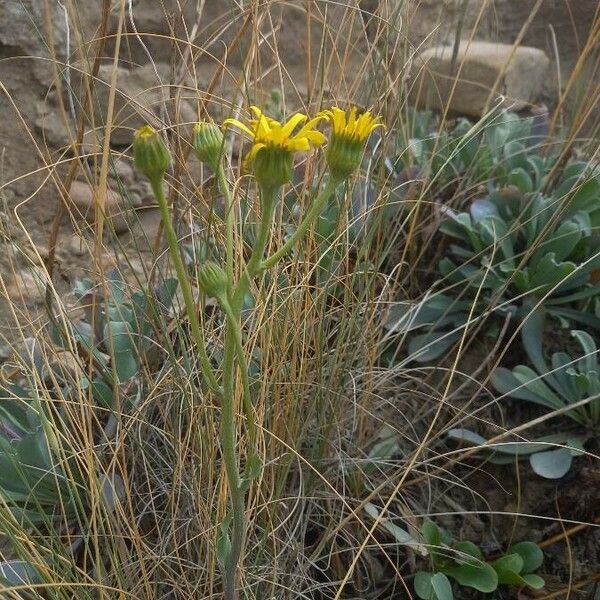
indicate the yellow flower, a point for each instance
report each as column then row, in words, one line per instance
column 274, row 144
column 349, row 132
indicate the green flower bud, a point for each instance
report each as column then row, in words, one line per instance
column 150, row 154
column 273, row 167
column 208, row 142
column 212, row 280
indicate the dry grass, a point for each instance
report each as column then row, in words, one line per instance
column 323, row 397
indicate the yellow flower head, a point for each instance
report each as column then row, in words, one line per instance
column 274, row 144
column 349, row 132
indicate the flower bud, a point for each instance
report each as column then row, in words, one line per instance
column 208, row 142
column 150, row 154
column 212, row 280
column 273, row 167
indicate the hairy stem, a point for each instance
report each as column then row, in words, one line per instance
column 254, row 266
column 229, row 220
column 233, row 348
column 232, row 306
column 228, row 440
column 186, row 288
column 314, row 211
column 234, row 337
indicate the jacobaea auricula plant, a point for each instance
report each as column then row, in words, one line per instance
column 271, row 163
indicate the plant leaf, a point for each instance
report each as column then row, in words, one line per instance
column 431, row 532
column 533, row 581
column 19, row 572
column 224, row 542
column 120, row 336
column 403, row 537
column 428, row 346
column 470, row 549
column 478, row 575
column 531, row 553
column 422, row 585
column 551, row 464
column 508, row 568
column 441, row 587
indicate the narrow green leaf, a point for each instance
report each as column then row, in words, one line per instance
column 223, row 549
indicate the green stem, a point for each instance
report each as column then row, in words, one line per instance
column 229, row 220
column 232, row 305
column 186, row 288
column 254, row 266
column 233, row 347
column 235, row 325
column 314, row 211
column 235, row 332
column 238, row 501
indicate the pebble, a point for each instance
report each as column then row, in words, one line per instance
column 82, row 196
column 28, row 285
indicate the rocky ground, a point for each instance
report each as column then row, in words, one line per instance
column 44, row 53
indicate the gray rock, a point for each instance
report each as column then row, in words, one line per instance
column 486, row 72
column 23, row 32
column 29, row 285
column 142, row 96
column 568, row 22
column 123, row 171
column 50, row 124
column 82, row 196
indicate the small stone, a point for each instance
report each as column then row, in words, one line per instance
column 143, row 191
column 52, row 127
column 145, row 227
column 516, row 74
column 137, row 266
column 76, row 245
column 122, row 171
column 82, row 196
column 67, row 367
column 135, row 198
column 29, row 285
column 91, row 143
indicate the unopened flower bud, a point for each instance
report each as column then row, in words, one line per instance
column 212, row 280
column 208, row 142
column 150, row 154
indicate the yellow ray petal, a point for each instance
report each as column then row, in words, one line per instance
column 293, row 122
column 239, row 125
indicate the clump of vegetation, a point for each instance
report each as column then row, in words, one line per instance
column 530, row 242
column 464, row 563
